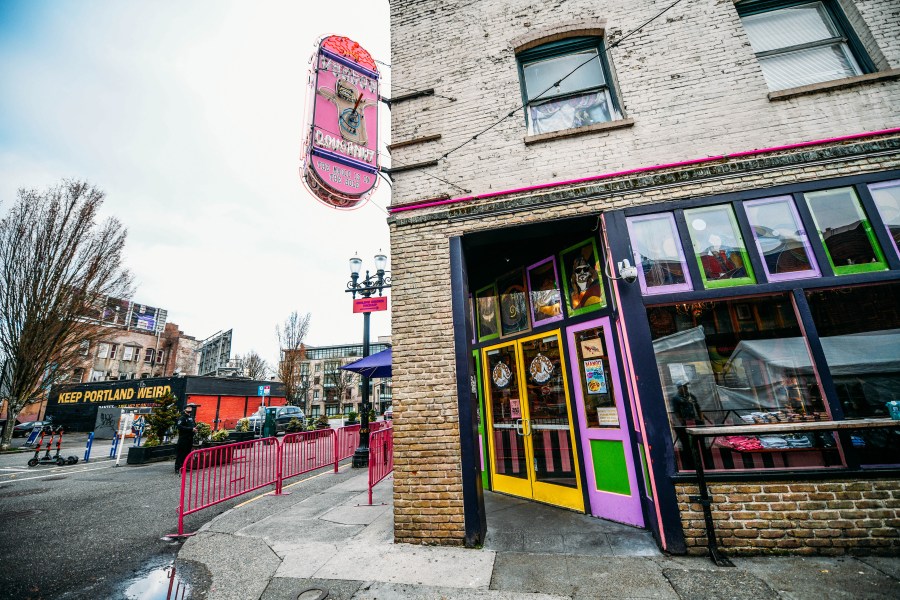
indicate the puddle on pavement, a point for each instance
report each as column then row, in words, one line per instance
column 163, row 583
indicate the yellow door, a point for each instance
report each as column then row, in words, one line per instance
column 529, row 417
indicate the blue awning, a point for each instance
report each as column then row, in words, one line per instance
column 376, row 366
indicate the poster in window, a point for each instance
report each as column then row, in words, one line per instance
column 486, row 308
column 595, row 376
column 513, row 304
column 515, row 409
column 581, row 277
column 544, row 292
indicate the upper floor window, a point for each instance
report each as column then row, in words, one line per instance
column 802, row 43
column 566, row 85
column 148, row 355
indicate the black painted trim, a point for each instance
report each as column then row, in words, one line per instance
column 473, row 494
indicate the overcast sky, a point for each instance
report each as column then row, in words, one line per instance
column 188, row 114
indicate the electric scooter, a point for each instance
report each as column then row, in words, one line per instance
column 46, row 459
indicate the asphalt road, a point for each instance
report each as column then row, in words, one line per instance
column 86, row 530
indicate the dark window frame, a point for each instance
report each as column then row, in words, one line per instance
column 848, row 35
column 562, row 48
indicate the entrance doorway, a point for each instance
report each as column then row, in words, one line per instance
column 529, row 421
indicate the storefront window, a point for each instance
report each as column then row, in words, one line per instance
column 845, row 231
column 719, row 247
column 887, row 199
column 859, row 328
column 740, row 362
column 506, row 412
column 780, row 238
column 658, row 254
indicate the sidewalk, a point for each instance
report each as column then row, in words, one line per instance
column 325, row 536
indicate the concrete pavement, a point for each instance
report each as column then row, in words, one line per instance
column 325, row 536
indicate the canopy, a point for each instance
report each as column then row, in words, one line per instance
column 377, row 365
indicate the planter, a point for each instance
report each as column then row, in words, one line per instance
column 240, row 436
column 348, row 423
column 212, row 459
column 139, row 455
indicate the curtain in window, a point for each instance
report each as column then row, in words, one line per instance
column 570, row 113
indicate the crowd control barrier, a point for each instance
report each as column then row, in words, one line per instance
column 381, row 456
column 220, row 473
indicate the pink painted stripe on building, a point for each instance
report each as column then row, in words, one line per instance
column 684, row 163
column 565, row 451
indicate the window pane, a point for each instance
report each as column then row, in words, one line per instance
column 845, row 231
column 658, row 254
column 808, row 66
column 780, row 238
column 543, row 74
column 887, row 199
column 718, row 246
column 569, row 113
column 735, row 362
column 595, row 377
column 860, row 332
column 789, row 27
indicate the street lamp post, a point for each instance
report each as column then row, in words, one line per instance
column 371, row 284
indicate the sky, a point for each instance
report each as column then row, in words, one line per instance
column 189, row 115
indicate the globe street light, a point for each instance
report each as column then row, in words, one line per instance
column 372, row 283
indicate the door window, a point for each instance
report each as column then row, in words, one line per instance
column 595, row 375
column 506, row 409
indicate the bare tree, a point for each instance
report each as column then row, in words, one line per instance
column 57, row 267
column 337, row 382
column 255, row 366
column 290, row 344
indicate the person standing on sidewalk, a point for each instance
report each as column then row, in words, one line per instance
column 186, row 428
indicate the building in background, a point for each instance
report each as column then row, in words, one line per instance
column 609, row 225
column 333, row 392
column 215, row 356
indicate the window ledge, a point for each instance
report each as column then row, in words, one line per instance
column 834, row 85
column 564, row 133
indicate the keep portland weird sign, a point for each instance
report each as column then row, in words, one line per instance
column 340, row 158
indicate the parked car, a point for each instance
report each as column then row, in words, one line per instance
column 24, row 428
column 389, row 413
column 283, row 416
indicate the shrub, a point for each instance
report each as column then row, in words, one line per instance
column 294, row 425
column 352, row 416
column 219, row 436
column 151, row 440
column 162, row 417
column 204, row 431
column 322, row 422
column 243, row 424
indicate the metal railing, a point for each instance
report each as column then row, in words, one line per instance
column 381, row 456
column 214, row 475
column 696, row 435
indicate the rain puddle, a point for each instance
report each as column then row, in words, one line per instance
column 162, row 583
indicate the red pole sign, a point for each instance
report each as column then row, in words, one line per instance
column 365, row 305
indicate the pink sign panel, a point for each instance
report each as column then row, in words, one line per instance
column 341, row 158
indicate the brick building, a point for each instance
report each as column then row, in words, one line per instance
column 610, row 227
column 333, row 392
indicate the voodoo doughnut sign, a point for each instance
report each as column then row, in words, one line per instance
column 340, row 159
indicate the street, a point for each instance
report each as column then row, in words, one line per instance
column 85, row 531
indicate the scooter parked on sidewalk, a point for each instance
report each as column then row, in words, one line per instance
column 46, row 459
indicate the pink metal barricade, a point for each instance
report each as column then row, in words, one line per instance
column 381, row 456
column 213, row 475
column 346, row 441
column 306, row 451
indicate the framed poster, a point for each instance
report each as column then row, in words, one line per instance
column 486, row 313
column 544, row 292
column 513, row 304
column 581, row 278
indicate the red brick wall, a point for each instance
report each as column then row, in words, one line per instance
column 231, row 408
column 813, row 517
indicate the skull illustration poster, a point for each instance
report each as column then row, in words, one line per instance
column 513, row 304
column 486, row 309
column 581, row 277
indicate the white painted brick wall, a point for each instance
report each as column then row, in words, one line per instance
column 689, row 80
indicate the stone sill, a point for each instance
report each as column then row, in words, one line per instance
column 837, row 84
column 564, row 133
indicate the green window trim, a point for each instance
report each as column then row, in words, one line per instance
column 710, row 284
column 880, row 263
column 572, row 312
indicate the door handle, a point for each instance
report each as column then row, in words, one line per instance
column 520, row 427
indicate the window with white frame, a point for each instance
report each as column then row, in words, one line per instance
column 160, row 356
column 84, row 348
column 103, row 350
column 566, row 85
column 148, row 355
column 802, row 43
column 113, row 350
column 130, row 353
column 98, row 375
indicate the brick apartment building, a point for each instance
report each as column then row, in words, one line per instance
column 744, row 159
column 333, row 392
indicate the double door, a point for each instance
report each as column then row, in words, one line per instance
column 529, row 421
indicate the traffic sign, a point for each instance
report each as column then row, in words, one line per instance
column 364, row 305
column 263, row 390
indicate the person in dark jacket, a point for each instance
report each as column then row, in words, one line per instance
column 186, row 427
